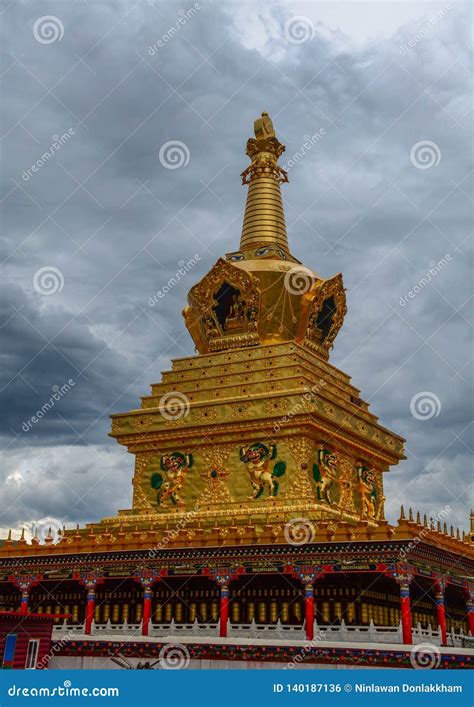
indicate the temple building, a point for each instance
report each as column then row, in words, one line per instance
column 258, row 491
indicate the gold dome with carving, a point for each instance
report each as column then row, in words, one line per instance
column 262, row 294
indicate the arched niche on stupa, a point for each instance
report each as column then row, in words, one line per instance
column 223, row 309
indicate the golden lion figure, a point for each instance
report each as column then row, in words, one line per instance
column 257, row 458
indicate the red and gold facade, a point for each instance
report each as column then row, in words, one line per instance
column 258, row 482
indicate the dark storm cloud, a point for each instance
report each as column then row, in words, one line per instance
column 116, row 222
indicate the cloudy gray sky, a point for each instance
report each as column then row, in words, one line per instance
column 109, row 221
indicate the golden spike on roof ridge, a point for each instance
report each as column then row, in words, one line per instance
column 264, row 219
column 410, row 515
column 402, row 513
column 418, row 518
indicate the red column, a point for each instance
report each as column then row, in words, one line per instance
column 309, row 610
column 470, row 612
column 25, row 597
column 406, row 612
column 441, row 615
column 224, row 610
column 147, row 599
column 90, row 606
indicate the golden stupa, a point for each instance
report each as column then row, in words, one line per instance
column 258, row 429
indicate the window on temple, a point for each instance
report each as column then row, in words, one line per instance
column 32, row 654
column 229, row 309
column 325, row 317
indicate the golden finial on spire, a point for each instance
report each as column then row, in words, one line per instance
column 264, row 220
column 263, row 127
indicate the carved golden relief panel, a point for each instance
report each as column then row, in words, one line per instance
column 249, row 474
column 167, row 481
column 260, row 471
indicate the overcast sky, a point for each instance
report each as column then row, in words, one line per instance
column 90, row 234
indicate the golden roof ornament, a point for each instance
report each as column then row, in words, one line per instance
column 264, row 219
column 263, row 127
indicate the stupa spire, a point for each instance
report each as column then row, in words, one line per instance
column 264, row 219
